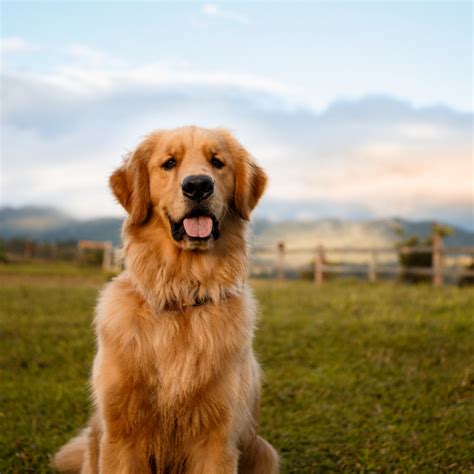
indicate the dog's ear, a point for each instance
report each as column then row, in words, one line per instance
column 250, row 179
column 130, row 183
column 250, row 183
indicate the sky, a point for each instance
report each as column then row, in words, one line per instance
column 356, row 110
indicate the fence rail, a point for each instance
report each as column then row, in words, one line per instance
column 372, row 268
column 374, row 258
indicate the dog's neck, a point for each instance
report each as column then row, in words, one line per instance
column 170, row 278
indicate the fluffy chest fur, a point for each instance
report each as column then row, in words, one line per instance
column 173, row 354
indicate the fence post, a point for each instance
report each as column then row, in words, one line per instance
column 372, row 266
column 437, row 259
column 107, row 257
column 281, row 260
column 80, row 252
column 117, row 259
column 319, row 266
column 54, row 250
column 28, row 250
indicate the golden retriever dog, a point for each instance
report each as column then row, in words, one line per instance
column 175, row 380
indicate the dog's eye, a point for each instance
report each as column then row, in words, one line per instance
column 169, row 164
column 216, row 162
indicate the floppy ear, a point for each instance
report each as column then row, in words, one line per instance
column 250, row 179
column 130, row 184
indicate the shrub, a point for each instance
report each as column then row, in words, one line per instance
column 414, row 260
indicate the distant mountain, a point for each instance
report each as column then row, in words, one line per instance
column 49, row 224
column 344, row 232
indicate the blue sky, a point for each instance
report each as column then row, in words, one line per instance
column 323, row 51
column 356, row 109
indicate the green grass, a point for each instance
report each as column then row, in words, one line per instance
column 48, row 269
column 358, row 377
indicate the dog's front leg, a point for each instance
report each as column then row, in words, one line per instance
column 213, row 456
column 121, row 457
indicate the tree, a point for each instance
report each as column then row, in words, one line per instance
column 418, row 259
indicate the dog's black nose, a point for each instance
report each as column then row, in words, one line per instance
column 197, row 187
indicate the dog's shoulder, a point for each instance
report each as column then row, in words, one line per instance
column 119, row 307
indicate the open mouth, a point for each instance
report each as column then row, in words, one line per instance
column 197, row 225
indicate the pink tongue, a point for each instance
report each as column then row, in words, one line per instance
column 198, row 226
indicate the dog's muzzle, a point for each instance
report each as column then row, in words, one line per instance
column 197, row 225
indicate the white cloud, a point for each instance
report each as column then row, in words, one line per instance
column 86, row 55
column 216, row 11
column 65, row 131
column 93, row 73
column 381, row 149
column 210, row 9
column 16, row 45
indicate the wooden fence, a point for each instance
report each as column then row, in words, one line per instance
column 373, row 268
column 111, row 258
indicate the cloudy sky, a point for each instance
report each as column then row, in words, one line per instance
column 357, row 110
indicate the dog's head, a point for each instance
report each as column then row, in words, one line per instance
column 192, row 180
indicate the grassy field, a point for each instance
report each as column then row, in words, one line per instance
column 358, row 377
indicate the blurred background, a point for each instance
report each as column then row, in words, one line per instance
column 361, row 113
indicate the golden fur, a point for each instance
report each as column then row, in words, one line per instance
column 175, row 383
